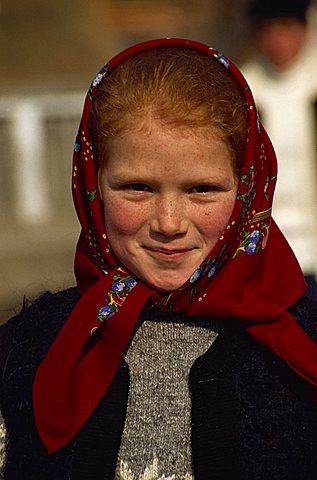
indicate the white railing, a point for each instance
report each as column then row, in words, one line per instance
column 38, row 225
column 36, row 140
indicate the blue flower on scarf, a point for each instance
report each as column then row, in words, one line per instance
column 196, row 275
column 255, row 236
column 118, row 287
column 251, row 248
column 258, row 124
column 105, row 313
column 224, row 61
column 130, row 283
column 77, row 147
column 97, row 80
column 212, row 271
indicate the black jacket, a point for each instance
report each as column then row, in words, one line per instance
column 252, row 418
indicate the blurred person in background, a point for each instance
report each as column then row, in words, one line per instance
column 187, row 349
column 283, row 78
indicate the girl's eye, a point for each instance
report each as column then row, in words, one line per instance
column 202, row 189
column 138, row 187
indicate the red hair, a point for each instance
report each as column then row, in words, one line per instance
column 178, row 87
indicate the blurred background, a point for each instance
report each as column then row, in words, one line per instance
column 49, row 52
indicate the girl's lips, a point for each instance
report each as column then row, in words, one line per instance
column 169, row 254
column 170, row 251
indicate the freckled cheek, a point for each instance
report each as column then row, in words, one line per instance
column 122, row 218
column 211, row 223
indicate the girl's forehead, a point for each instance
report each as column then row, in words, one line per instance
column 155, row 136
column 167, row 152
column 151, row 142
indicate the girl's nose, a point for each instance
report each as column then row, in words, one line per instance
column 169, row 218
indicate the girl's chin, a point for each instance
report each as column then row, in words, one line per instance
column 165, row 287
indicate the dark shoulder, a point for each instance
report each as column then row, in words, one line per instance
column 52, row 307
column 24, row 342
column 36, row 326
column 305, row 313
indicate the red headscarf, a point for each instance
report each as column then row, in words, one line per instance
column 251, row 274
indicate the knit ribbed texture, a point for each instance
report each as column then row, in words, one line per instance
column 156, row 438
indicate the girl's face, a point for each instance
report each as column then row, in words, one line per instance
column 167, row 197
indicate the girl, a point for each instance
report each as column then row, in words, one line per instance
column 187, row 348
